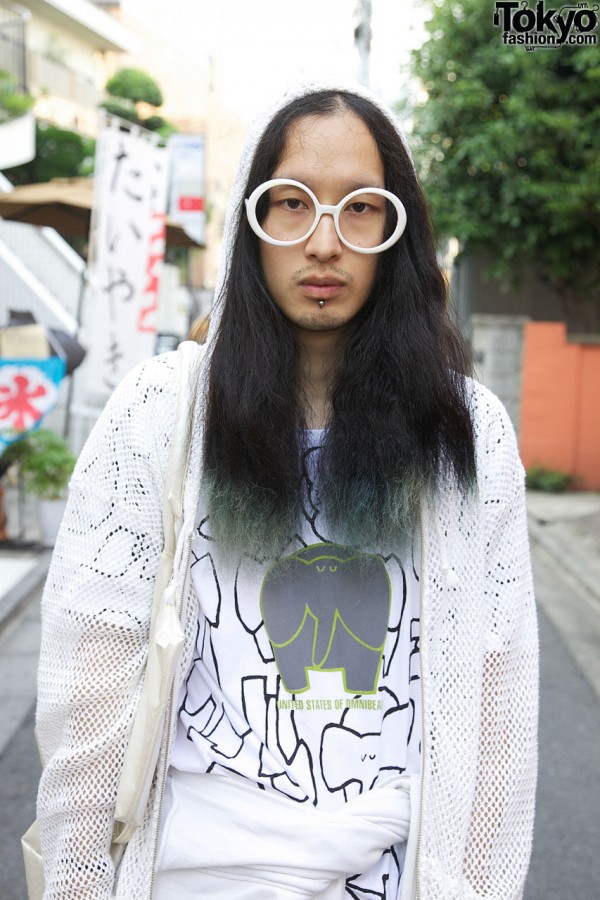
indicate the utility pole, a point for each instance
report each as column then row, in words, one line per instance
column 362, row 39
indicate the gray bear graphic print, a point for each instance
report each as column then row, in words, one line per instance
column 327, row 607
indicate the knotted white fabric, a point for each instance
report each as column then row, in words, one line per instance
column 237, row 841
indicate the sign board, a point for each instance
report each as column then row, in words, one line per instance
column 28, row 391
column 187, row 194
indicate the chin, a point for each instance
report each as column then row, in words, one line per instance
column 321, row 321
column 331, row 325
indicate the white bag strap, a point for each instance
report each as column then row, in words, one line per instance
column 166, row 634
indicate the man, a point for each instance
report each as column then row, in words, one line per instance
column 356, row 711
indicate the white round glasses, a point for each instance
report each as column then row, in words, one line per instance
column 285, row 212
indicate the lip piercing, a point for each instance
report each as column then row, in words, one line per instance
column 321, row 303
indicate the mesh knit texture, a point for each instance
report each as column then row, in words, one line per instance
column 478, row 657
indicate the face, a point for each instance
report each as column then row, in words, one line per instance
column 320, row 285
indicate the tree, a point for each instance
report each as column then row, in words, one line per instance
column 130, row 89
column 136, row 86
column 59, row 154
column 506, row 143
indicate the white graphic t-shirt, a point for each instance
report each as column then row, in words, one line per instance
column 306, row 673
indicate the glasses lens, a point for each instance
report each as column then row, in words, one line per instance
column 285, row 212
column 367, row 220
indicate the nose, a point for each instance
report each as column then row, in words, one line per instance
column 324, row 243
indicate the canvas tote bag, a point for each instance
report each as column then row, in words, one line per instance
column 165, row 642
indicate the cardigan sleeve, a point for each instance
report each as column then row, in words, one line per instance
column 95, row 622
column 500, row 835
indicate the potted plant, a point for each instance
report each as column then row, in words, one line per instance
column 46, row 465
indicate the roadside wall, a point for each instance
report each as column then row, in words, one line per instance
column 560, row 405
column 497, row 343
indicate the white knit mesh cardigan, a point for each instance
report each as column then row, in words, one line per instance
column 478, row 656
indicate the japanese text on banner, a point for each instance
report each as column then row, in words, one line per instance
column 128, row 251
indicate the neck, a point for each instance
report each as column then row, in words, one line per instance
column 319, row 357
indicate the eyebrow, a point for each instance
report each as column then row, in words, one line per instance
column 350, row 185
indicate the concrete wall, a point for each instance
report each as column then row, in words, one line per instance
column 498, row 350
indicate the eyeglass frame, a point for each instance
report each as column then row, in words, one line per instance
column 324, row 209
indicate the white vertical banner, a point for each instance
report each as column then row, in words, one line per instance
column 148, row 314
column 127, row 250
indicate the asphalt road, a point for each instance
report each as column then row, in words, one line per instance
column 566, row 858
column 19, row 773
column 565, row 863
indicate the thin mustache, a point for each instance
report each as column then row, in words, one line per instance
column 322, row 273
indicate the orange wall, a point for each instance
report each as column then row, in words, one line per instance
column 560, row 404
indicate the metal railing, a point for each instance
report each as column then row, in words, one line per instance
column 13, row 22
column 49, row 76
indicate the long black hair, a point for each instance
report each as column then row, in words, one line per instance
column 399, row 411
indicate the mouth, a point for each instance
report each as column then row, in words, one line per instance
column 323, row 288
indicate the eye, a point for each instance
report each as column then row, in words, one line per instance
column 333, row 568
column 365, row 204
column 320, row 568
column 358, row 207
column 293, row 204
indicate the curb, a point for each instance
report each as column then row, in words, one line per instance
column 572, row 548
column 13, row 600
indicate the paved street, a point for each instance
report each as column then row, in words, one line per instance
column 19, row 764
column 566, row 862
column 19, row 772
